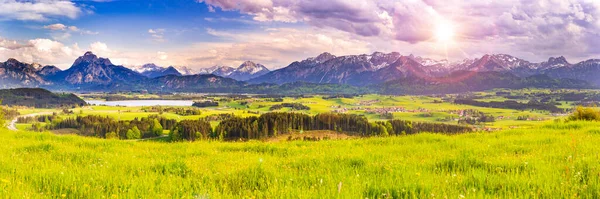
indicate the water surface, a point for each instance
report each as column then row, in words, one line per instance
column 131, row 103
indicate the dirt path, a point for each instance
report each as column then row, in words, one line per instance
column 12, row 125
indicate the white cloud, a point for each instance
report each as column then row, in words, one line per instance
column 64, row 31
column 56, row 26
column 38, row 10
column 158, row 35
column 43, row 51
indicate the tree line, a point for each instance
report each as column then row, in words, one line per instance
column 293, row 106
column 279, row 123
column 510, row 104
column 249, row 128
column 108, row 127
column 175, row 110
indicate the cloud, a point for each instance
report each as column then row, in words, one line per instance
column 158, row 35
column 63, row 32
column 43, row 51
column 38, row 10
column 274, row 48
column 539, row 27
column 56, row 26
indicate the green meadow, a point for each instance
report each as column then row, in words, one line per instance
column 552, row 160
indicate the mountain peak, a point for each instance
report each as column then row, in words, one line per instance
column 247, row 64
column 561, row 60
column 12, row 60
column 89, row 53
column 90, row 57
column 251, row 67
column 323, row 57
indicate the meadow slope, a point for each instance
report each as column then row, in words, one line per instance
column 554, row 160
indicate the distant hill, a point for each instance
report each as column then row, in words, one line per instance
column 39, row 98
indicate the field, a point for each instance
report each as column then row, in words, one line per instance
column 553, row 160
column 543, row 156
column 412, row 108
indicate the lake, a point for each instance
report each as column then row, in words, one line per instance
column 141, row 103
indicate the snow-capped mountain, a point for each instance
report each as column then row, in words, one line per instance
column 248, row 70
column 245, row 71
column 185, row 70
column 222, row 71
column 352, row 69
column 152, row 70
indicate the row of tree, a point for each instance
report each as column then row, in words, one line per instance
column 108, row 127
column 276, row 123
column 176, row 110
column 510, row 104
column 237, row 128
column 293, row 106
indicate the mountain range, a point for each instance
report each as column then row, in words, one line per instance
column 377, row 72
column 362, row 70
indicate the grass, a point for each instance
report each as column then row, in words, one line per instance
column 558, row 160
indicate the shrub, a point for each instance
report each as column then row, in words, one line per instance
column 587, row 114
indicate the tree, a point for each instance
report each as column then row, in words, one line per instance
column 174, row 135
column 112, row 135
column 156, row 128
column 134, row 133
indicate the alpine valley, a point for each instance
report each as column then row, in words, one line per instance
column 385, row 73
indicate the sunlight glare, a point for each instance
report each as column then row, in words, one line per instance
column 444, row 32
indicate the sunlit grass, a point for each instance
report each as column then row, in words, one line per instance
column 556, row 160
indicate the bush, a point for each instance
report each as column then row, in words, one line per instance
column 586, row 114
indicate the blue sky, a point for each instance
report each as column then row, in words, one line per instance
column 203, row 33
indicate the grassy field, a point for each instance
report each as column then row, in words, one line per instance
column 551, row 160
column 415, row 108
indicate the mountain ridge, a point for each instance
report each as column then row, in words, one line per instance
column 90, row 72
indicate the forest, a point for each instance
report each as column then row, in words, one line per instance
column 39, row 98
column 108, row 127
column 234, row 128
column 510, row 104
column 293, row 106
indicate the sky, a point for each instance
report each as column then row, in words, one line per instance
column 275, row 33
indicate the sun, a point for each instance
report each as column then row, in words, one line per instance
column 444, row 32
